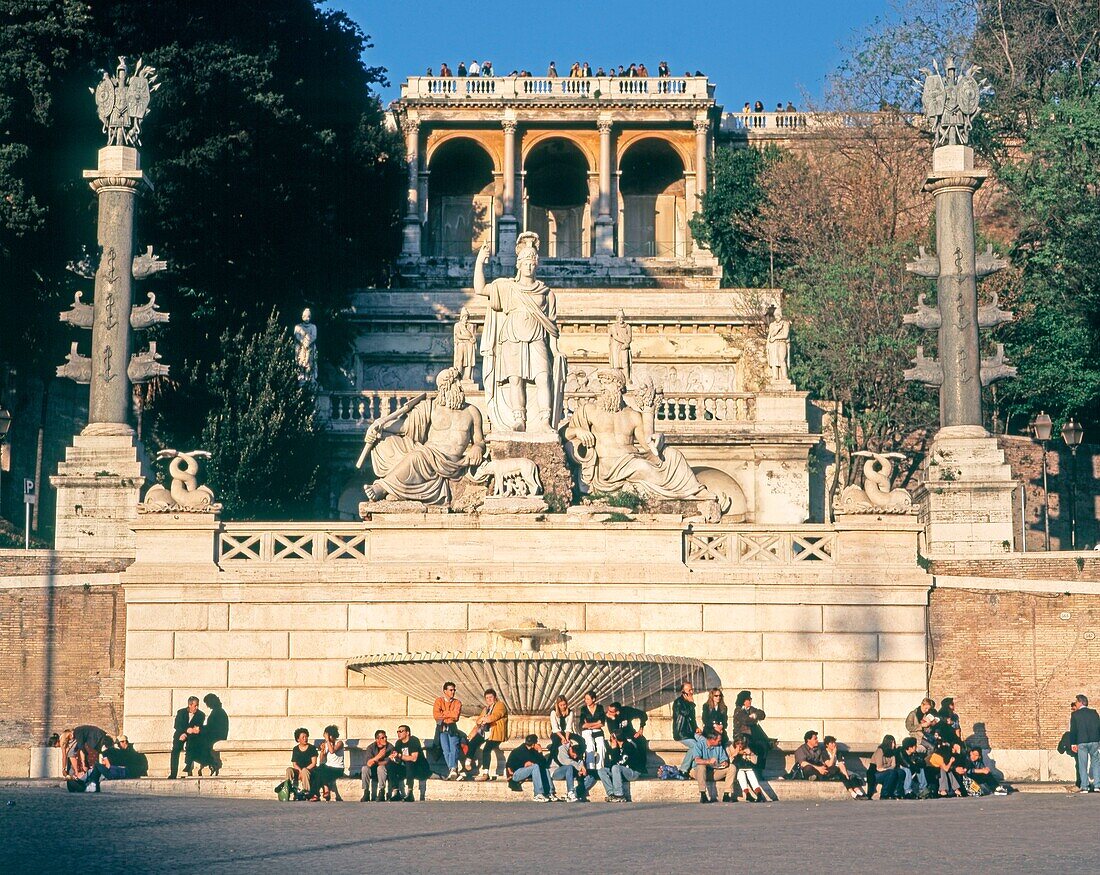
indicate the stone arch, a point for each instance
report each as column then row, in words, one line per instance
column 557, row 196
column 461, row 196
column 653, row 199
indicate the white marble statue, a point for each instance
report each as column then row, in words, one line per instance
column 183, row 493
column 617, row 449
column 305, row 340
column 779, row 348
column 519, row 344
column 465, row 344
column 618, row 345
column 877, row 494
column 417, row 452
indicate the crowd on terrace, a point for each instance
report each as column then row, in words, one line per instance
column 725, row 750
column 577, row 71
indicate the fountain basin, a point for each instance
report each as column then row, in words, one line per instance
column 529, row 682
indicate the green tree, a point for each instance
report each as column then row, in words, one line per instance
column 261, row 426
column 730, row 204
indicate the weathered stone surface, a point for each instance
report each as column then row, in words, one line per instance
column 549, row 455
column 511, row 504
column 369, row 508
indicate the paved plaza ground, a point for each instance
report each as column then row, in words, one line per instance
column 47, row 830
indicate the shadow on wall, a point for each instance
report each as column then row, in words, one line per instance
column 1067, row 479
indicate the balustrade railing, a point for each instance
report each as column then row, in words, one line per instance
column 717, row 548
column 800, row 122
column 604, row 88
column 297, row 542
column 354, row 411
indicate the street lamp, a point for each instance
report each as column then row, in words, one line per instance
column 1041, row 427
column 1073, row 434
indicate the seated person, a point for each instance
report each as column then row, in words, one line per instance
column 713, row 767
column 975, row 767
column 837, row 769
column 920, row 718
column 593, row 719
column 620, row 723
column 884, row 770
column 375, row 773
column 490, row 732
column 911, row 763
column 745, row 722
column 617, row 771
column 303, row 760
column 562, row 723
column 744, row 763
column 411, row 763
column 131, row 763
column 330, row 764
column 809, row 758
column 527, row 762
column 943, row 759
column 568, row 765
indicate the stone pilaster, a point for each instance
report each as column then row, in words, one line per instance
column 605, row 224
column 509, row 226
column 411, row 241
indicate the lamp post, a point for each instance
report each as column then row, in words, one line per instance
column 1041, row 427
column 1073, row 434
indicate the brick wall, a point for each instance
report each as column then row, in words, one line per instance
column 1013, row 661
column 62, row 655
column 38, row 562
column 1039, row 566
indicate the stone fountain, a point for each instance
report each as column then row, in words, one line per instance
column 530, row 679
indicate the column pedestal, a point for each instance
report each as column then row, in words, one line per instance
column 965, row 501
column 508, row 231
column 98, row 489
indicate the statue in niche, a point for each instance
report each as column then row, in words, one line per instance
column 519, row 344
column 465, row 342
column 778, row 348
column 305, row 340
column 617, row 448
column 618, row 345
column 877, row 494
column 420, row 448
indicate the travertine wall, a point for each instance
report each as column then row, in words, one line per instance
column 836, row 645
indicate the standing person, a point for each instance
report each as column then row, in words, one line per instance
column 1084, row 728
column 715, row 710
column 758, row 106
column 746, row 722
column 552, row 70
column 90, row 741
column 741, row 757
column 593, row 719
column 685, row 727
column 474, row 69
column 217, row 729
column 446, row 711
column 713, row 767
column 375, row 774
column 883, row 770
column 527, row 762
column 950, row 728
column 330, row 764
column 409, row 754
column 461, row 71
column 492, row 724
column 185, row 736
column 445, row 71
column 303, row 760
column 586, row 70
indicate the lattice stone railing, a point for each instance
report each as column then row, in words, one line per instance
column 703, row 547
column 305, row 543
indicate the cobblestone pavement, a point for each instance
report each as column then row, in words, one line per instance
column 47, row 830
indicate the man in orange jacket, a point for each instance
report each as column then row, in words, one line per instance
column 446, row 711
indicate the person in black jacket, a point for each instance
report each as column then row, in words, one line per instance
column 186, row 737
column 216, row 729
column 620, row 724
column 1084, row 728
column 685, row 726
column 746, row 723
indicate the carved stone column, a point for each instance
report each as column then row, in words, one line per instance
column 411, row 245
column 605, row 224
column 702, row 131
column 508, row 223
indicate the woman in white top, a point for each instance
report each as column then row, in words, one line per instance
column 330, row 764
column 561, row 724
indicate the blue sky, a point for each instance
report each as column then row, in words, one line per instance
column 753, row 51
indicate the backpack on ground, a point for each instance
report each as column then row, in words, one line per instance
column 284, row 791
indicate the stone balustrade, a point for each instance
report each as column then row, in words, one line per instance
column 723, row 546
column 793, row 123
column 354, row 411
column 534, row 88
column 295, row 542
